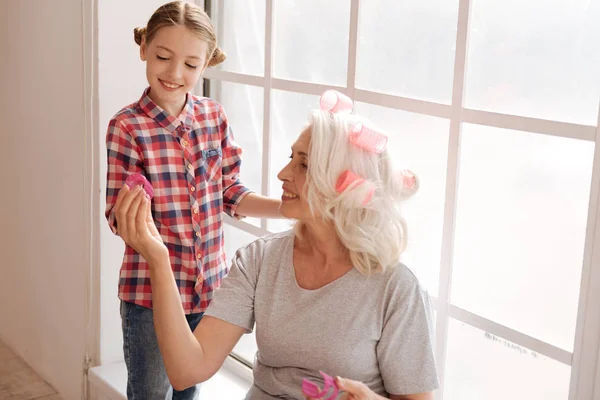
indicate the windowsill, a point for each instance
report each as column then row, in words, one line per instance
column 232, row 381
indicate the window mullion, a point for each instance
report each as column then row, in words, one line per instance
column 587, row 335
column 266, row 151
column 352, row 48
column 445, row 278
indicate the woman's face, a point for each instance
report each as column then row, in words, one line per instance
column 294, row 205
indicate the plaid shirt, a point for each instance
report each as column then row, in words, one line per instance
column 193, row 164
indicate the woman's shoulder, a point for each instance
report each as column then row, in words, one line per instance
column 273, row 242
column 264, row 253
column 401, row 277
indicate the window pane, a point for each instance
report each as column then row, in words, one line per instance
column 407, row 48
column 520, row 229
column 482, row 366
column 420, row 143
column 246, row 347
column 244, row 107
column 234, row 239
column 310, row 40
column 547, row 69
column 289, row 115
column 240, row 28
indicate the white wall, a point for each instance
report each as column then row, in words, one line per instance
column 44, row 237
column 121, row 81
column 45, row 203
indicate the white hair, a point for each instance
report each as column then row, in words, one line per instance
column 374, row 233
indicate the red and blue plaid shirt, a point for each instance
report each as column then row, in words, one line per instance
column 193, row 164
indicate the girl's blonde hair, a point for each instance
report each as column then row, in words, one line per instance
column 181, row 13
column 375, row 233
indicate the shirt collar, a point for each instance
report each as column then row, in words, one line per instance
column 154, row 111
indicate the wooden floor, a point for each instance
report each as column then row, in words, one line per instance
column 19, row 382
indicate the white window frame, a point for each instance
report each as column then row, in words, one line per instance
column 584, row 360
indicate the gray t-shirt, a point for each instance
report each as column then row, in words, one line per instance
column 373, row 329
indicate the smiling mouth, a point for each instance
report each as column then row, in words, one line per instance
column 169, row 85
column 289, row 196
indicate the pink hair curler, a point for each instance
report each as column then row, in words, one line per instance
column 409, row 179
column 334, row 101
column 349, row 178
column 410, row 182
column 330, row 389
column 346, row 179
column 139, row 179
column 368, row 139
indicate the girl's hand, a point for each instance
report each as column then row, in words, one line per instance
column 353, row 390
column 136, row 226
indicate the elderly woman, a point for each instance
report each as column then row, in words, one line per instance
column 330, row 295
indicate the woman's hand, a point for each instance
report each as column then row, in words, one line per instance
column 354, row 390
column 136, row 226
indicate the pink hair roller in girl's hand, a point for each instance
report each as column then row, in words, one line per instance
column 368, row 139
column 138, row 179
column 334, row 101
column 311, row 389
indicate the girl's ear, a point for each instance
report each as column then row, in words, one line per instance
column 143, row 49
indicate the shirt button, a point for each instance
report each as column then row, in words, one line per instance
column 190, row 167
column 195, row 211
column 200, row 279
column 199, row 256
column 193, row 189
column 184, row 143
column 197, row 234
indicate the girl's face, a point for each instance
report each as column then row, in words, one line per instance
column 175, row 59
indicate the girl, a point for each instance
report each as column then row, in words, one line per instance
column 184, row 146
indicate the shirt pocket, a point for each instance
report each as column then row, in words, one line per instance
column 212, row 160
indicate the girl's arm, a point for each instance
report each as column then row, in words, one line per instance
column 255, row 205
column 123, row 158
column 236, row 199
column 189, row 358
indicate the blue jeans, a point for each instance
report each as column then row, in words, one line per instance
column 146, row 376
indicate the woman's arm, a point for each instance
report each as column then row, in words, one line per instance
column 189, row 357
column 419, row 396
column 359, row 391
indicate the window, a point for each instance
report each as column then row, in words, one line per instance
column 495, row 106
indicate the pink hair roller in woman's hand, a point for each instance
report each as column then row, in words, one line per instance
column 334, row 101
column 139, row 179
column 311, row 389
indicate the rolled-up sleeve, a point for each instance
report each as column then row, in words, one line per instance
column 123, row 159
column 233, row 190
